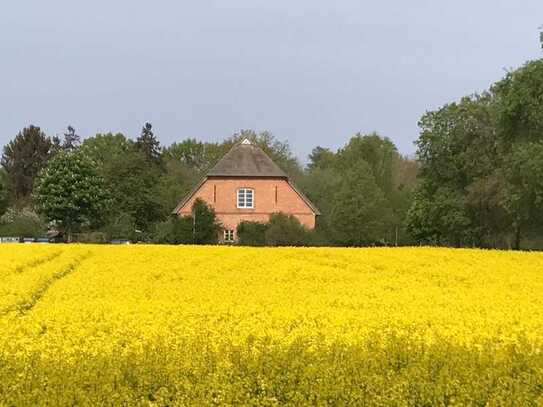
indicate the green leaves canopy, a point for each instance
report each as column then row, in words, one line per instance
column 70, row 192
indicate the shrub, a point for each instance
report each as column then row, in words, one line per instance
column 21, row 223
column 285, row 230
column 176, row 230
column 202, row 227
column 252, row 233
column 206, row 225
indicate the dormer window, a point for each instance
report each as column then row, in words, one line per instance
column 246, row 198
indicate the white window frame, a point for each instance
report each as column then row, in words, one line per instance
column 228, row 236
column 241, row 198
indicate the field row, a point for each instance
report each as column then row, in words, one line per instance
column 186, row 325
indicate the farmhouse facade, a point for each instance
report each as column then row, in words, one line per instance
column 247, row 185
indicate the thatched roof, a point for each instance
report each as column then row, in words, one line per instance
column 246, row 160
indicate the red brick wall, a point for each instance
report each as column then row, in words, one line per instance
column 221, row 193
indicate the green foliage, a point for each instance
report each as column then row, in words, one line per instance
column 439, row 217
column 201, row 227
column 22, row 222
column 148, row 145
column 3, row 191
column 480, row 164
column 175, row 230
column 252, row 233
column 524, row 198
column 360, row 213
column 132, row 183
column 196, row 155
column 205, row 224
column 379, row 153
column 22, row 159
column 321, row 158
column 70, row 192
column 519, row 103
column 285, row 230
column 176, row 181
column 122, row 226
column 367, row 166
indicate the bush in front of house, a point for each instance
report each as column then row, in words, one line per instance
column 201, row 227
column 252, row 233
column 280, row 230
column 286, row 230
column 176, row 230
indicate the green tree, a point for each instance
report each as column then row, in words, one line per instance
column 70, row 192
column 379, row 153
column 22, row 159
column 206, row 227
column 148, row 144
column 360, row 213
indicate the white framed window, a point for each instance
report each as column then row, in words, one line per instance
column 246, row 198
column 228, row 236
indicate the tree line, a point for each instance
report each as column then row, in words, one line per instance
column 109, row 186
column 476, row 181
column 481, row 180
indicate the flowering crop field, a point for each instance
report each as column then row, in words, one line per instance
column 166, row 325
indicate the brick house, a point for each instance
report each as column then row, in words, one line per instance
column 247, row 185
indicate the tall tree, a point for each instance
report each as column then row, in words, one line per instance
column 376, row 151
column 71, row 139
column 23, row 158
column 71, row 193
column 149, row 145
column 360, row 213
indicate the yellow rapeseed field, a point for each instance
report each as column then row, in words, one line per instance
column 186, row 325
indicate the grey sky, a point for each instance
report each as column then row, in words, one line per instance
column 313, row 72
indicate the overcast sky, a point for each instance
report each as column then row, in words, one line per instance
column 312, row 72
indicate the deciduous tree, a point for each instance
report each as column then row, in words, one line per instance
column 70, row 192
